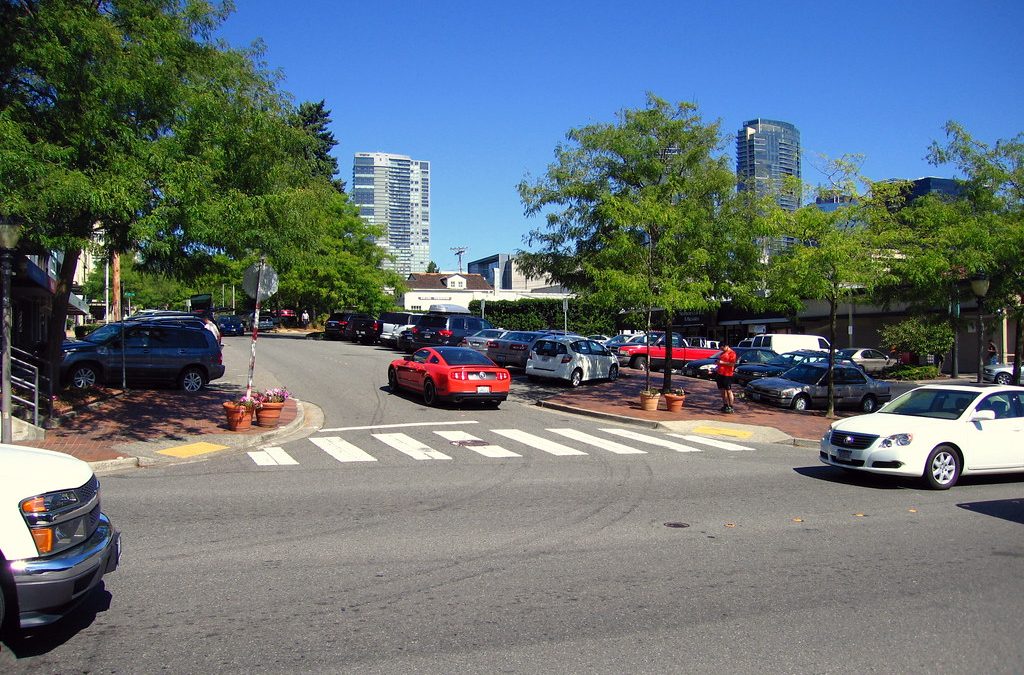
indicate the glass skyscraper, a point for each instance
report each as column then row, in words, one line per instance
column 766, row 152
column 393, row 191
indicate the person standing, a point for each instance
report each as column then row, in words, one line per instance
column 305, row 319
column 993, row 353
column 724, row 372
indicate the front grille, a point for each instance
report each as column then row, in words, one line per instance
column 844, row 439
column 88, row 491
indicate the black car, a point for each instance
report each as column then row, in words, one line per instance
column 144, row 351
column 444, row 329
column 229, row 324
column 338, row 323
column 705, row 368
column 780, row 364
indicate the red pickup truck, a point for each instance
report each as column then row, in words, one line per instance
column 641, row 356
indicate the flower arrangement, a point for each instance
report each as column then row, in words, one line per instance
column 250, row 403
column 650, row 392
column 678, row 391
column 275, row 395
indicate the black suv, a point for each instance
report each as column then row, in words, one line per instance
column 149, row 351
column 445, row 329
column 338, row 324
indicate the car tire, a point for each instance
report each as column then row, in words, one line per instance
column 942, row 469
column 613, row 373
column 869, row 404
column 429, row 393
column 393, row 380
column 576, row 378
column 800, row 403
column 192, row 380
column 1003, row 378
column 84, row 376
column 639, row 362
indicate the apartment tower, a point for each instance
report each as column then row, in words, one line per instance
column 767, row 151
column 393, row 191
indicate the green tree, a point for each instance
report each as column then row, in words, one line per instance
column 432, row 268
column 642, row 213
column 315, row 118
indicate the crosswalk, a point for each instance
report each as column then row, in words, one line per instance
column 426, row 445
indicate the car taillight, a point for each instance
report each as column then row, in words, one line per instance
column 444, row 333
column 503, row 375
column 376, row 325
column 492, row 343
column 457, row 375
column 416, row 330
column 343, row 323
column 566, row 359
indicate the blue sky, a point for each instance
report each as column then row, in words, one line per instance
column 485, row 91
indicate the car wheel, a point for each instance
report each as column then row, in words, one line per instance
column 83, row 377
column 613, row 373
column 1003, row 378
column 429, row 393
column 942, row 469
column 801, row 403
column 393, row 380
column 576, row 378
column 869, row 404
column 639, row 362
column 192, row 380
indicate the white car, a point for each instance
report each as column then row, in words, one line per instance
column 572, row 358
column 936, row 432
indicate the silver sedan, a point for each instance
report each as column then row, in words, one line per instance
column 479, row 339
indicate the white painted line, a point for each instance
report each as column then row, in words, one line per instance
column 602, row 443
column 281, row 457
column 342, row 450
column 398, row 426
column 653, row 440
column 724, row 445
column 262, row 458
column 410, row 446
column 552, row 447
column 485, row 450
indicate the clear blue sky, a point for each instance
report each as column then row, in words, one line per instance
column 486, row 90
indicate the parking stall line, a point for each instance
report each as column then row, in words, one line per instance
column 551, row 447
column 342, row 450
column 724, row 445
column 475, row 444
column 653, row 440
column 410, row 446
column 602, row 443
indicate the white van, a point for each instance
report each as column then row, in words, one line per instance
column 780, row 343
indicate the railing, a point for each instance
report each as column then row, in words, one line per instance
column 27, row 382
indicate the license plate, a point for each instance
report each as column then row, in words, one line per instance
column 755, row 396
column 483, row 389
column 844, row 454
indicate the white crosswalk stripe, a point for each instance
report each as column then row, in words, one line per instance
column 272, row 457
column 653, row 440
column 604, row 444
column 552, row 447
column 342, row 450
column 410, row 446
column 475, row 444
column 713, row 442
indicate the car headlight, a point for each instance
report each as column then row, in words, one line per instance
column 789, row 392
column 896, row 439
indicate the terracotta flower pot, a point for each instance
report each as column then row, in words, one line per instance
column 268, row 414
column 675, row 402
column 239, row 417
column 649, row 401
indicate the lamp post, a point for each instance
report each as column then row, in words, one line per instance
column 979, row 286
column 9, row 234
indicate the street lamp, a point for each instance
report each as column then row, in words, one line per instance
column 9, row 234
column 979, row 286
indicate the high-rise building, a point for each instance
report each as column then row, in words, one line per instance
column 393, row 191
column 767, row 151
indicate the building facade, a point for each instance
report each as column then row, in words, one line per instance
column 393, row 191
column 502, row 274
column 767, row 151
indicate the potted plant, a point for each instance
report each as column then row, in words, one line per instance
column 239, row 413
column 649, row 398
column 675, row 399
column 271, row 403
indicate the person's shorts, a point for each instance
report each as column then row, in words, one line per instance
column 724, row 381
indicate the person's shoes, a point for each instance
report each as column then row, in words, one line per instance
column 725, row 408
column 729, row 409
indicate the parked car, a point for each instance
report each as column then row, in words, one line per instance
column 55, row 542
column 599, row 338
column 805, row 386
column 445, row 329
column 337, row 322
column 621, row 339
column 871, row 360
column 266, row 321
column 780, row 364
column 935, row 432
column 705, row 368
column 1000, row 373
column 362, row 328
column 654, row 355
column 453, row 374
column 781, row 343
column 150, row 351
column 573, row 359
column 285, row 317
column 479, row 339
column 393, row 323
column 512, row 348
column 230, row 324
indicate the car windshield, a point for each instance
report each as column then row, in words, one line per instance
column 464, row 357
column 804, row 374
column 104, row 334
column 946, row 404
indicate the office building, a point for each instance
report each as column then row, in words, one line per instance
column 767, row 151
column 393, row 191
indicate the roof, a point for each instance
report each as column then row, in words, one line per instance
column 422, row 281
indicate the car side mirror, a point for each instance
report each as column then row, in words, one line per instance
column 983, row 415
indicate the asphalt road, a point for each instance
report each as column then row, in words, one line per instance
column 710, row 559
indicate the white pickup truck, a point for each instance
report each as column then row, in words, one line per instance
column 55, row 542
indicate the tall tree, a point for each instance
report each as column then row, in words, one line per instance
column 643, row 213
column 315, row 118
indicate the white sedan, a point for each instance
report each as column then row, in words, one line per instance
column 935, row 432
column 572, row 358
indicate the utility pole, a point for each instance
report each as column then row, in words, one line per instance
column 459, row 251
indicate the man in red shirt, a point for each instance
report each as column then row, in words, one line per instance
column 724, row 374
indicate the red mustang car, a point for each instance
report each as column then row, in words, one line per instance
column 450, row 374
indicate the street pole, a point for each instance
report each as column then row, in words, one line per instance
column 979, row 285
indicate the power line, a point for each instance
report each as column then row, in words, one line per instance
column 459, row 251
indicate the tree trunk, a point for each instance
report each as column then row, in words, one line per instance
column 832, row 307
column 115, row 286
column 666, row 380
column 1016, row 348
column 56, row 329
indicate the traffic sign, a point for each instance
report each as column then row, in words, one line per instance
column 260, row 280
